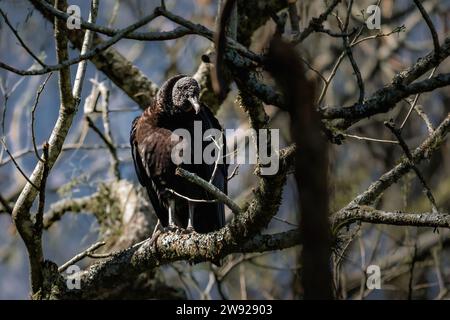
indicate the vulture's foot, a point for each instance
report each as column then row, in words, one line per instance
column 189, row 230
column 174, row 229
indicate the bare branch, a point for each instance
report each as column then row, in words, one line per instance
column 430, row 25
column 33, row 112
column 89, row 251
column 192, row 177
column 371, row 215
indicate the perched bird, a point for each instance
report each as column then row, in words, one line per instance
column 177, row 106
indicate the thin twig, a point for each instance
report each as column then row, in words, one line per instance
column 111, row 148
column 66, row 147
column 16, row 34
column 430, row 25
column 104, row 91
column 349, row 53
column 414, row 103
column 81, row 255
column 219, row 156
column 369, row 139
column 285, row 221
column 33, row 112
column 192, row 177
column 16, row 164
column 234, row 173
column 425, row 118
column 190, row 199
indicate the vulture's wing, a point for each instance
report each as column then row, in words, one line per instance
column 151, row 151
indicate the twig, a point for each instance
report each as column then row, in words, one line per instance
column 33, row 111
column 335, row 69
column 104, row 91
column 379, row 35
column 219, row 156
column 66, row 147
column 16, row 164
column 16, row 34
column 234, row 173
column 190, row 199
column 369, row 139
column 81, row 256
column 219, row 195
column 349, row 53
column 285, row 221
column 425, row 118
column 100, row 255
column 430, row 24
column 414, row 103
column 109, row 145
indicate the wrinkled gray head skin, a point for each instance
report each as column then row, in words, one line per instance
column 185, row 94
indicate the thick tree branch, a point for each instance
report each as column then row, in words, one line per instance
column 21, row 212
column 385, row 99
column 371, row 215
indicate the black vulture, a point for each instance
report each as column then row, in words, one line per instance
column 177, row 106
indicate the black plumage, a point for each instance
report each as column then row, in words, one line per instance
column 176, row 106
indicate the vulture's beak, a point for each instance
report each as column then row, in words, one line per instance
column 195, row 104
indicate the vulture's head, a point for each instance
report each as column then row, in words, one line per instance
column 185, row 94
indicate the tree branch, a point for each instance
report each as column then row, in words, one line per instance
column 371, row 215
